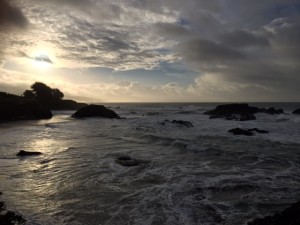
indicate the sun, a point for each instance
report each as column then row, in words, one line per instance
column 41, row 60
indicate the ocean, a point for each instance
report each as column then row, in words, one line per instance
column 200, row 175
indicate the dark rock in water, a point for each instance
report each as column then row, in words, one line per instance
column 248, row 132
column 26, row 153
column 182, row 122
column 259, row 131
column 240, row 112
column 23, row 110
column 128, row 161
column 297, row 111
column 238, row 131
column 9, row 217
column 230, row 109
column 272, row 111
column 289, row 216
column 95, row 111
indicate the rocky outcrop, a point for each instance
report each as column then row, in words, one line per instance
column 290, row 216
column 248, row 132
column 27, row 153
column 9, row 217
column 239, row 112
column 127, row 161
column 23, row 110
column 95, row 111
column 296, row 111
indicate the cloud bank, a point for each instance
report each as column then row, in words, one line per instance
column 241, row 50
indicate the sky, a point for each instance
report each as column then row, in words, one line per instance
column 153, row 50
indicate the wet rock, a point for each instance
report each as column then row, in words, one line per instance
column 9, row 217
column 230, row 109
column 27, row 153
column 238, row 131
column 296, row 111
column 95, row 111
column 182, row 122
column 259, row 131
column 239, row 112
column 127, row 161
column 248, row 132
column 290, row 216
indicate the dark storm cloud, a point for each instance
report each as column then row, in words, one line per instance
column 11, row 16
column 242, row 38
column 206, row 52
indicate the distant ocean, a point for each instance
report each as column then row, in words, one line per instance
column 199, row 175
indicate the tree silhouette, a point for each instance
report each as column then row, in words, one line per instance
column 57, row 94
column 28, row 94
column 44, row 94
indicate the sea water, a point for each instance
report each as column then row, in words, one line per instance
column 196, row 175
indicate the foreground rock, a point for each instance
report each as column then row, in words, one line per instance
column 9, row 217
column 27, row 153
column 248, row 132
column 95, row 111
column 297, row 111
column 240, row 112
column 127, row 161
column 16, row 108
column 289, row 216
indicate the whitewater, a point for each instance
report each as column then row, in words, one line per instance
column 200, row 175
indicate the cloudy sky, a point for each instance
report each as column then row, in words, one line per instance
column 153, row 50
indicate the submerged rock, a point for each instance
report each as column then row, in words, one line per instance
column 238, row 131
column 289, row 216
column 95, row 111
column 182, row 122
column 296, row 111
column 128, row 161
column 27, row 153
column 259, row 131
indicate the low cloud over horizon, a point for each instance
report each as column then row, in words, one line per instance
column 142, row 50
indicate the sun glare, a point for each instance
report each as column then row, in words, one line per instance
column 41, row 60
